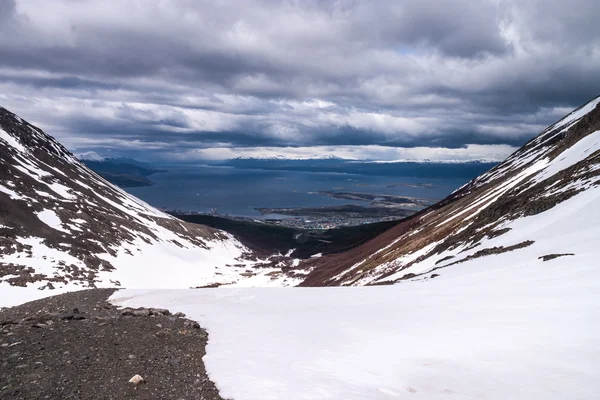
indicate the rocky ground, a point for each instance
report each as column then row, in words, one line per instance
column 78, row 346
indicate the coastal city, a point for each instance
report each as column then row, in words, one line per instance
column 298, row 222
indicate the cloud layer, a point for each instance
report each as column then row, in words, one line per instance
column 183, row 78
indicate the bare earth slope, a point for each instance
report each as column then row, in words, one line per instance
column 511, row 209
column 49, row 352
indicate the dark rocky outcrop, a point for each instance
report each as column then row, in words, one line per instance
column 79, row 346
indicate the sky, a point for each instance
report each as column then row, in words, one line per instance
column 188, row 80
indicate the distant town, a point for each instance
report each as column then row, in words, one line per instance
column 298, row 222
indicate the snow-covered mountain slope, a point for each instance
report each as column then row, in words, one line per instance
column 541, row 205
column 512, row 313
column 63, row 227
column 495, row 332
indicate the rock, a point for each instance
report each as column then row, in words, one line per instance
column 136, row 380
column 71, row 316
column 66, row 316
column 163, row 333
column 141, row 312
column 159, row 311
column 191, row 324
column 179, row 315
column 127, row 312
column 40, row 326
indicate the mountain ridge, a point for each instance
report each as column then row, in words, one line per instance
column 477, row 220
column 63, row 227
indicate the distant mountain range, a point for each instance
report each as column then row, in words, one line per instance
column 283, row 157
column 122, row 171
column 428, row 161
column 339, row 159
column 408, row 168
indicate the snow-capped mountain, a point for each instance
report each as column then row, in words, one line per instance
column 90, row 156
column 280, row 157
column 541, row 205
column 64, row 227
column 428, row 161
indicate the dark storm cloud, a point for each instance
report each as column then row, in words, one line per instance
column 7, row 9
column 183, row 75
column 454, row 28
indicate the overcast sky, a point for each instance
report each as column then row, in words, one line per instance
column 189, row 79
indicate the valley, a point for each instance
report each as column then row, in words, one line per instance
column 272, row 238
column 461, row 296
column 299, row 200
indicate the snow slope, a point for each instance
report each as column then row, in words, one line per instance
column 507, row 326
column 517, row 207
column 513, row 329
column 496, row 297
column 63, row 227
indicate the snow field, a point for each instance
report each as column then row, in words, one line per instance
column 507, row 332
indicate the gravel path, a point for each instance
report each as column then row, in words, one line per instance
column 48, row 350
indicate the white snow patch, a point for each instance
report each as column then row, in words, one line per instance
column 43, row 259
column 14, row 295
column 11, row 141
column 13, row 195
column 61, row 190
column 29, row 168
column 405, row 260
column 51, row 219
column 142, row 265
column 82, row 184
column 490, row 197
column 571, row 156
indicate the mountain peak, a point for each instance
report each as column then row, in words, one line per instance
column 90, row 156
